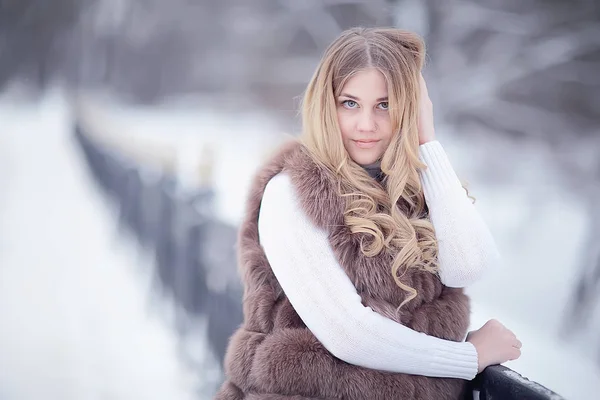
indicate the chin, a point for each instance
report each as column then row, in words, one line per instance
column 365, row 158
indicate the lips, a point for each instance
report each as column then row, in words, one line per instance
column 365, row 144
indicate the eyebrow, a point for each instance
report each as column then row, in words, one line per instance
column 357, row 99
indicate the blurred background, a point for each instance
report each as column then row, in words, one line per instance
column 130, row 130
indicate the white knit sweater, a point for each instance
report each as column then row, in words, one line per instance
column 328, row 303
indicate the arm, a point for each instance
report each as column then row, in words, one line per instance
column 324, row 297
column 466, row 246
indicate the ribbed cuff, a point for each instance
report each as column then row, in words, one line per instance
column 439, row 177
column 456, row 360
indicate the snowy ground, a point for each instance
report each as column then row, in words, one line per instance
column 75, row 318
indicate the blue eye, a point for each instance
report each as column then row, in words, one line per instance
column 384, row 105
column 350, row 103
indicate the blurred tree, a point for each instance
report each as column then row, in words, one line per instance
column 528, row 72
column 30, row 37
column 148, row 50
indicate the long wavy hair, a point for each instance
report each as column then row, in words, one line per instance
column 393, row 216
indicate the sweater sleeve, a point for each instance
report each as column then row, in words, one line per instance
column 466, row 248
column 325, row 298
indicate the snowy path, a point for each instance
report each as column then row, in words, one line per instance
column 75, row 319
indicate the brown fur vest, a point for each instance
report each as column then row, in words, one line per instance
column 274, row 356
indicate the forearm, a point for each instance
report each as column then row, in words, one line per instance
column 465, row 245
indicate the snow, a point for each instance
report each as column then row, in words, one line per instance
column 544, row 359
column 75, row 318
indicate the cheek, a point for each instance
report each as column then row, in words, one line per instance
column 385, row 127
column 345, row 123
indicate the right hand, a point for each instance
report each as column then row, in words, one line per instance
column 495, row 344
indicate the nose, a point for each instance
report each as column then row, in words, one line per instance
column 366, row 121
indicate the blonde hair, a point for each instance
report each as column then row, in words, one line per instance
column 393, row 216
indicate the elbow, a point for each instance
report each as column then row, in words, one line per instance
column 487, row 261
column 340, row 351
column 472, row 270
column 346, row 339
column 339, row 344
column 457, row 281
column 460, row 281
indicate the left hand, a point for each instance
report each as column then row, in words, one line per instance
column 425, row 124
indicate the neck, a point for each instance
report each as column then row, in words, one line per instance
column 374, row 170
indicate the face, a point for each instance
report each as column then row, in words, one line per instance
column 362, row 111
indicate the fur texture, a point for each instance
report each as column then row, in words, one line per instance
column 274, row 356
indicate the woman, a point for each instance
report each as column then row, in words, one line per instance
column 357, row 242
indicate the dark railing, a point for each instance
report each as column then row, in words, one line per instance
column 499, row 382
column 193, row 249
column 190, row 246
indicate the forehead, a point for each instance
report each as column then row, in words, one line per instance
column 366, row 84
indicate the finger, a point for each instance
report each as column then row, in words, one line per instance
column 495, row 322
column 518, row 344
column 515, row 354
